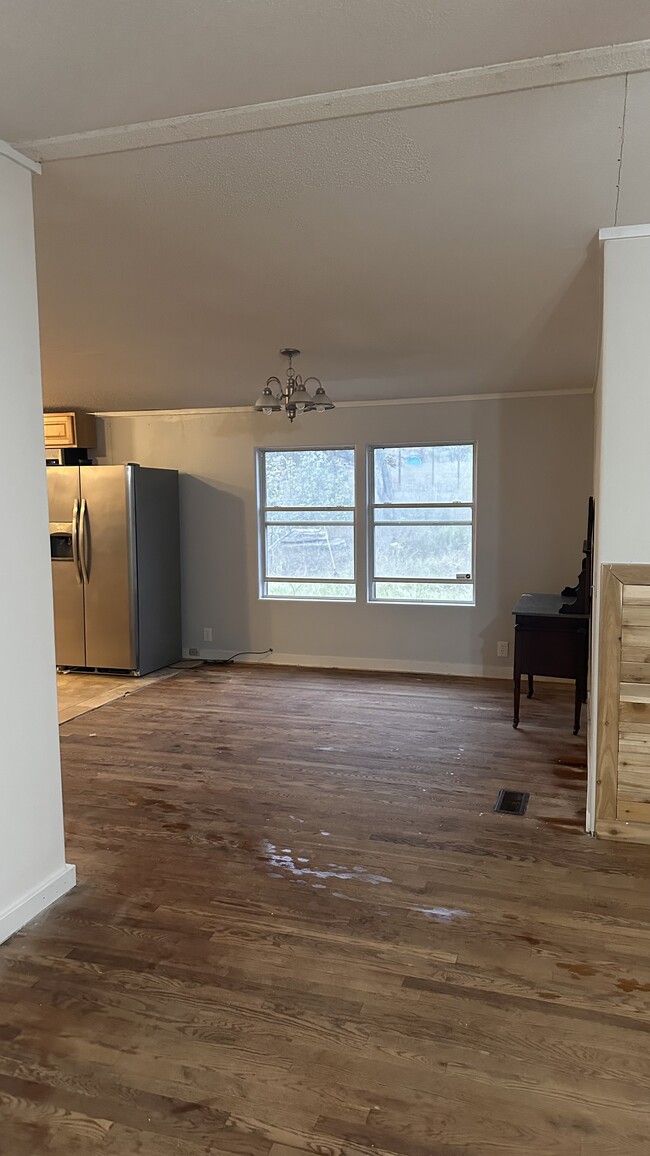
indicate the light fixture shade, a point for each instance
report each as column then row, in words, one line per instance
column 267, row 402
column 301, row 399
column 322, row 401
column 292, row 396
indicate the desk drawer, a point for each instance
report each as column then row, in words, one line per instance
column 556, row 653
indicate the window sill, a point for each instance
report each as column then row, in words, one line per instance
column 429, row 605
column 290, row 598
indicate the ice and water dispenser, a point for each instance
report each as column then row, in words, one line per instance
column 61, row 548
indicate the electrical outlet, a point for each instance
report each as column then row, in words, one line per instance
column 503, row 649
column 207, row 634
column 193, row 651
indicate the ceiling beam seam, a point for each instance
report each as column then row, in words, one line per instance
column 396, row 96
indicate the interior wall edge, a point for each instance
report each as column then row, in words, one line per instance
column 19, row 158
column 37, row 901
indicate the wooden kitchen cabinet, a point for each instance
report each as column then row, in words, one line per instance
column 69, row 430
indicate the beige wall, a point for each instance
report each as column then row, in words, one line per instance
column 32, row 866
column 534, row 477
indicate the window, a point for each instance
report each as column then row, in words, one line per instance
column 306, row 502
column 422, row 523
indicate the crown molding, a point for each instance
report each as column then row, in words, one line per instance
column 620, row 232
column 443, row 88
column 389, row 401
column 12, row 154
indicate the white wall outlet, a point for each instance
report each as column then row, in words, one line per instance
column 193, row 650
column 503, row 649
column 207, row 634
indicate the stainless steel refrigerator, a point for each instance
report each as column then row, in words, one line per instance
column 114, row 543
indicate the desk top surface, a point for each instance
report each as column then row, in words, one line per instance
column 544, row 606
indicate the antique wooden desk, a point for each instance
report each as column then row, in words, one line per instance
column 553, row 642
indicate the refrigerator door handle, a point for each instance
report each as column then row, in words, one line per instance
column 83, row 541
column 75, row 540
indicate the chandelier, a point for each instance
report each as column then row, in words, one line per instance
column 292, row 397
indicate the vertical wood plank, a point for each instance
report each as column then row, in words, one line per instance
column 609, row 678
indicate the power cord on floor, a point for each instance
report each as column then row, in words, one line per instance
column 227, row 661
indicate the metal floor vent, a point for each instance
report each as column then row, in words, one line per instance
column 511, row 802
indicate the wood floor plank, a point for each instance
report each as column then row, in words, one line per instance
column 306, row 930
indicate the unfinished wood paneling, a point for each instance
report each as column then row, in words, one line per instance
column 623, row 745
column 633, row 594
column 636, row 615
column 635, row 672
column 633, row 741
column 635, row 645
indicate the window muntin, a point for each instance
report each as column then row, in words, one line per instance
column 307, row 524
column 421, row 523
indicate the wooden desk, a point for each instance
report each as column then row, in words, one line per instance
column 551, row 643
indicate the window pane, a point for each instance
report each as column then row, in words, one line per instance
column 309, row 477
column 422, row 551
column 424, row 474
column 424, row 514
column 310, row 552
column 424, row 592
column 311, row 590
column 310, row 516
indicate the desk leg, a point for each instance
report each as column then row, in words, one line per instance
column 581, row 680
column 517, row 683
column 530, row 686
column 578, row 706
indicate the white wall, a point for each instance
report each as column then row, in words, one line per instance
column 32, row 864
column 534, row 478
column 622, row 428
column 623, row 404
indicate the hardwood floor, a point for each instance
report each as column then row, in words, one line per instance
column 300, row 927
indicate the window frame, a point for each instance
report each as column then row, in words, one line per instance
column 261, row 514
column 371, row 506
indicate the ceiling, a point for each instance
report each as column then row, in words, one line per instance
column 447, row 249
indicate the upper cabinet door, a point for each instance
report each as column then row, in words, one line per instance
column 59, row 430
column 71, row 429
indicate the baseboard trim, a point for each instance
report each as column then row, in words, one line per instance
column 32, row 905
column 345, row 662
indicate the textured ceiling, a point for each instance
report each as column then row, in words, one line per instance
column 73, row 65
column 441, row 250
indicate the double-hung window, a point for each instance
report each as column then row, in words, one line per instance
column 307, row 503
column 421, row 521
